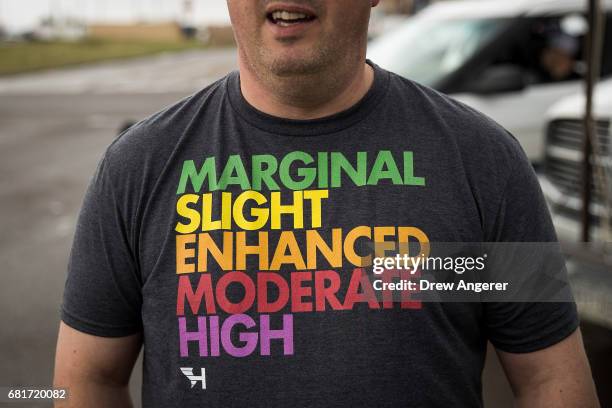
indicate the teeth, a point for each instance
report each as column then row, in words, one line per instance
column 288, row 16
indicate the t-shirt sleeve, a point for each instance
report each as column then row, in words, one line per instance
column 523, row 216
column 102, row 295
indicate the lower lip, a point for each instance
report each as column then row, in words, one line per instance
column 292, row 30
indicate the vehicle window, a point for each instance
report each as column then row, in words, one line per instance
column 547, row 49
column 426, row 50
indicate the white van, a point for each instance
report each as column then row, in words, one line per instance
column 510, row 59
column 589, row 266
column 562, row 172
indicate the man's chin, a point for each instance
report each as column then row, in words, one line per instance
column 293, row 70
column 292, row 65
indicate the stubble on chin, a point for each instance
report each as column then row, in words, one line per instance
column 312, row 62
column 311, row 75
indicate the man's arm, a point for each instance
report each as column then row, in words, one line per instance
column 95, row 370
column 557, row 377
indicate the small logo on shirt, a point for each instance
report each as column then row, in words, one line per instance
column 188, row 371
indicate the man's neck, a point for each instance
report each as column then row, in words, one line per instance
column 305, row 97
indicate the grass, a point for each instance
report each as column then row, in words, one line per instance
column 31, row 56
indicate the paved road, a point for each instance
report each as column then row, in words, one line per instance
column 164, row 74
column 49, row 146
column 54, row 127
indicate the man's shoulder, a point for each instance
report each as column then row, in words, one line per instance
column 435, row 106
column 478, row 138
column 159, row 133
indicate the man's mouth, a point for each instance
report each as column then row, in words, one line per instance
column 286, row 18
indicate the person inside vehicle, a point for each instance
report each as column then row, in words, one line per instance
column 558, row 58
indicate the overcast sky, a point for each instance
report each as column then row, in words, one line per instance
column 19, row 15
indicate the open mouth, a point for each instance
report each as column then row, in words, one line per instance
column 285, row 18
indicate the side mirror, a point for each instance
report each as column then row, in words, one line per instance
column 499, row 79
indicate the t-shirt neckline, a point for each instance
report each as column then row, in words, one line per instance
column 311, row 127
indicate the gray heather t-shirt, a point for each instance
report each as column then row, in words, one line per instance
column 234, row 241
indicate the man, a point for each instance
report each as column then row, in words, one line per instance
column 224, row 233
column 558, row 57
